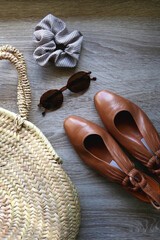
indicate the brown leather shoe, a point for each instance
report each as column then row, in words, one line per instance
column 99, row 150
column 131, row 127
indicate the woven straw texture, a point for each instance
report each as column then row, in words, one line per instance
column 37, row 198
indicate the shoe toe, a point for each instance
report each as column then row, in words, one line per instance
column 102, row 96
column 103, row 101
column 72, row 126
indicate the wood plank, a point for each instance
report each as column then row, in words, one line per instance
column 19, row 9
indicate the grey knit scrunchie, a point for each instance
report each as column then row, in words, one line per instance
column 55, row 43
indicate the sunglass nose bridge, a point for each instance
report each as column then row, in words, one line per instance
column 63, row 88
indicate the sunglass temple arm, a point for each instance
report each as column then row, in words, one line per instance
column 94, row 78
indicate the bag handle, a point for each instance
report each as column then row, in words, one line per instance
column 23, row 90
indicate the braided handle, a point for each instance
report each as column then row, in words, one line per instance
column 23, row 90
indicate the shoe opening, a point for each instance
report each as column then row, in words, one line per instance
column 125, row 123
column 95, row 145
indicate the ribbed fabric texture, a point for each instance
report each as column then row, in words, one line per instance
column 54, row 42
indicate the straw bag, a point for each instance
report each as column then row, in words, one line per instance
column 37, row 198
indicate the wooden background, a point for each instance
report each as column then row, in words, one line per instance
column 122, row 49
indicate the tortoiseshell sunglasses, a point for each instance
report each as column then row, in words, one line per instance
column 53, row 99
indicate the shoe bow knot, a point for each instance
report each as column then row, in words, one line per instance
column 135, row 180
column 154, row 163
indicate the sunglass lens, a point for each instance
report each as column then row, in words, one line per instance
column 79, row 81
column 51, row 100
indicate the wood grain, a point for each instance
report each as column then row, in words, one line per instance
column 122, row 49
